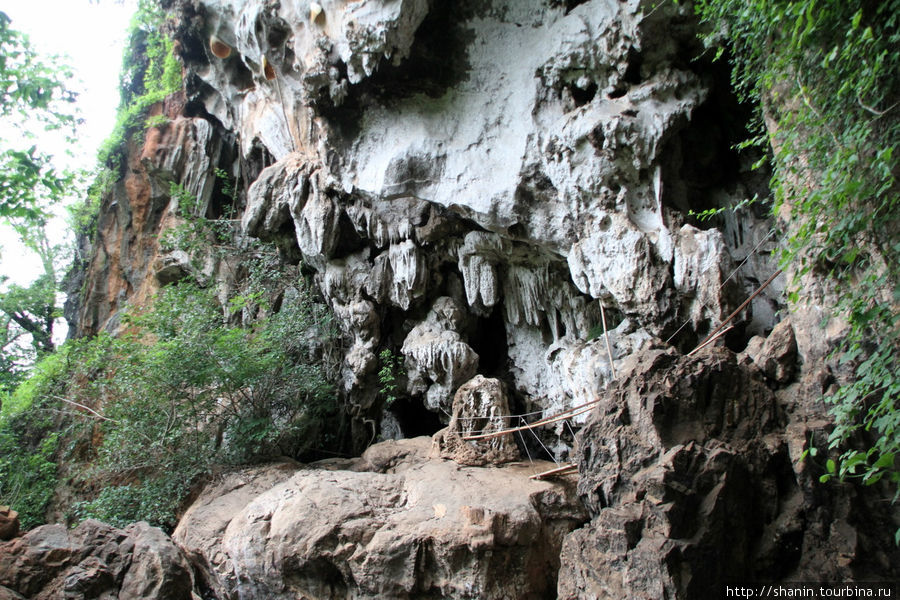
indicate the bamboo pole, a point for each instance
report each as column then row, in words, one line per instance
column 566, row 414
column 710, row 340
column 563, row 470
column 738, row 311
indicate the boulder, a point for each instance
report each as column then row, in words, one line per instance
column 414, row 527
column 480, row 406
column 9, row 523
column 778, row 356
column 94, row 560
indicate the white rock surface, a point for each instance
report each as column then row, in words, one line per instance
column 518, row 157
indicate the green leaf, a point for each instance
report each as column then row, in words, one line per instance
column 885, row 461
column 830, row 466
column 871, row 478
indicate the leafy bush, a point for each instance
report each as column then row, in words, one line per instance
column 181, row 392
column 28, row 441
column 189, row 391
column 825, row 71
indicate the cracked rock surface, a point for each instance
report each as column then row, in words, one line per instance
column 525, row 160
column 392, row 524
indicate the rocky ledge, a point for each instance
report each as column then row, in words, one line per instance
column 392, row 524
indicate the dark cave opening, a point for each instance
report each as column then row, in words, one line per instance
column 703, row 160
column 634, row 62
column 569, row 5
column 437, row 61
column 488, row 340
column 225, row 198
column 414, row 418
column 583, row 96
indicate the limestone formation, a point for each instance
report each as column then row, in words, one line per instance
column 690, row 477
column 500, row 194
column 437, row 358
column 392, row 524
column 526, row 160
column 94, row 560
column 480, row 407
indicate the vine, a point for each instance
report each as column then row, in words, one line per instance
column 824, row 73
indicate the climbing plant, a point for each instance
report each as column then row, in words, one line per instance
column 824, row 73
column 150, row 72
column 390, row 375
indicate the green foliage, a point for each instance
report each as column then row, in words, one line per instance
column 83, row 216
column 27, row 472
column 181, row 392
column 205, row 393
column 390, row 375
column 228, row 184
column 710, row 213
column 150, row 72
column 155, row 121
column 196, row 234
column 33, row 96
column 28, row 441
column 825, row 71
column 28, row 312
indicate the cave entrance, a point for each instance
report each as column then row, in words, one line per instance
column 488, row 340
column 414, row 418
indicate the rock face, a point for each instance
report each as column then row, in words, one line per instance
column 480, row 407
column 94, row 560
column 498, row 192
column 126, row 261
column 471, row 181
column 392, row 524
column 690, row 473
column 9, row 523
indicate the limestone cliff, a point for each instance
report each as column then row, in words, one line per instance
column 482, row 188
column 523, row 164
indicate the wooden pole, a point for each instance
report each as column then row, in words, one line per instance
column 738, row 311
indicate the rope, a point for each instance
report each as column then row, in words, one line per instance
column 530, row 414
column 727, row 279
column 566, row 414
column 739, row 309
column 547, row 450
column 524, row 445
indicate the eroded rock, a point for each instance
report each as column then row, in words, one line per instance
column 95, row 560
column 9, row 523
column 688, row 472
column 480, row 407
column 523, row 158
column 437, row 358
column 396, row 526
